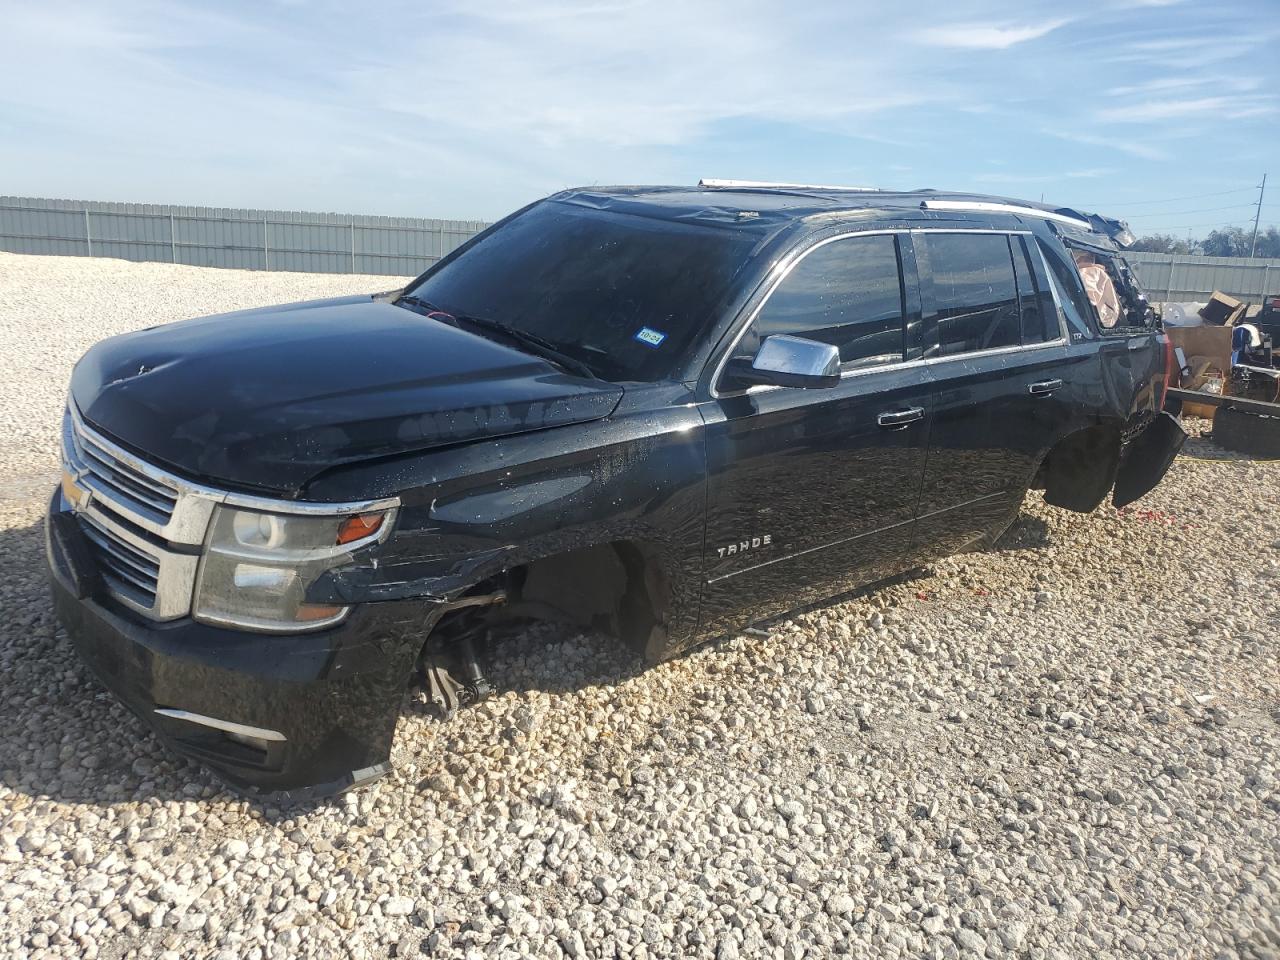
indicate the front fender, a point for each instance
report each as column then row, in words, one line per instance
column 473, row 512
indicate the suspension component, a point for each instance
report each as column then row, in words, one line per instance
column 451, row 667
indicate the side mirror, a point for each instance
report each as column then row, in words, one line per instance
column 786, row 361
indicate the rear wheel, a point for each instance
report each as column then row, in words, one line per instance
column 1250, row 433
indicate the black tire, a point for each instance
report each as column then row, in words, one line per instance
column 1173, row 405
column 1249, row 433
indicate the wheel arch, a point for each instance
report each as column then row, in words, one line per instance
column 1080, row 469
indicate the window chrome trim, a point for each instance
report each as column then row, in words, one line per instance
column 785, row 268
column 994, row 352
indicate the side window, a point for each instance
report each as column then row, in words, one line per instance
column 847, row 293
column 1039, row 317
column 974, row 292
column 1071, row 297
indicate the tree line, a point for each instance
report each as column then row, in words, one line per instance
column 1223, row 242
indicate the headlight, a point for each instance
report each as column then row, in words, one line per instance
column 258, row 565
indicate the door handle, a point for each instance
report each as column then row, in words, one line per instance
column 1044, row 388
column 898, row 419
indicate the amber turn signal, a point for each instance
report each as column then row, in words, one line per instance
column 316, row 611
column 359, row 527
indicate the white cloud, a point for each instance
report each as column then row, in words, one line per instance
column 1132, row 146
column 1153, row 111
column 470, row 107
column 987, row 36
column 1092, row 173
column 622, row 76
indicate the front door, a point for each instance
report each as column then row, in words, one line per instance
column 812, row 492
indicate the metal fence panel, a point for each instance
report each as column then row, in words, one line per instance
column 1169, row 277
column 405, row 246
column 219, row 237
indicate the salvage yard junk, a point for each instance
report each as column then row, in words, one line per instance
column 1228, row 371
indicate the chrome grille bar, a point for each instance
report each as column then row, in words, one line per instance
column 144, row 566
column 120, row 562
column 108, row 475
column 117, row 476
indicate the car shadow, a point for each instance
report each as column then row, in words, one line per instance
column 63, row 736
column 1028, row 532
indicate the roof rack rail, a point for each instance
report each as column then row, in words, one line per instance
column 991, row 207
column 766, row 184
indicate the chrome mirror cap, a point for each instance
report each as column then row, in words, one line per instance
column 788, row 361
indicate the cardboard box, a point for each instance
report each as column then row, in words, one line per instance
column 1211, row 342
column 1220, row 308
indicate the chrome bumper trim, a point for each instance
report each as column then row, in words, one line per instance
column 226, row 726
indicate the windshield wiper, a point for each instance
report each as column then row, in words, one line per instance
column 532, row 343
column 426, row 305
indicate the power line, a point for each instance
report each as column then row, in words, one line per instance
column 1178, row 213
column 1193, row 196
column 1197, row 226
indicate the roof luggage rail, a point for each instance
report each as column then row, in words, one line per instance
column 989, row 206
column 708, row 182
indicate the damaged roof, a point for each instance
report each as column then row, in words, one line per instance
column 766, row 207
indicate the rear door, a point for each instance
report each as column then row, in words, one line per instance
column 997, row 356
column 811, row 492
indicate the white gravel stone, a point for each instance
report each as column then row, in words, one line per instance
column 398, row 907
column 1107, row 785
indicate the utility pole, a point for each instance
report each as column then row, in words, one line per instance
column 1257, row 216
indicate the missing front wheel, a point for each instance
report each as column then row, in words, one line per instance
column 453, row 677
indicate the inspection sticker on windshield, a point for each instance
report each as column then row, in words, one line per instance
column 650, row 337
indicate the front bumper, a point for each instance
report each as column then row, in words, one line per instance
column 331, row 699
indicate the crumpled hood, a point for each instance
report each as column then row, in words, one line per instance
column 269, row 398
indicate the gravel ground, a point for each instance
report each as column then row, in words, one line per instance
column 1067, row 747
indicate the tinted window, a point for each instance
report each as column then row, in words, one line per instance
column 625, row 295
column 1039, row 318
column 974, row 291
column 847, row 293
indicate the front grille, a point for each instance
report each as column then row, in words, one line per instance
column 127, row 569
column 107, row 474
column 144, row 526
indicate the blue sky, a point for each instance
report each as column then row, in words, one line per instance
column 468, row 109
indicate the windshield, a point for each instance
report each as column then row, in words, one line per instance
column 624, row 295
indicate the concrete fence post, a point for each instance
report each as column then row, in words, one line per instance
column 88, row 240
column 266, row 250
column 353, row 244
column 173, row 240
column 1168, row 287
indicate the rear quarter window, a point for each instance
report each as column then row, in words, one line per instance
column 1068, row 291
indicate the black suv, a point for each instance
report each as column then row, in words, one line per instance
column 658, row 412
